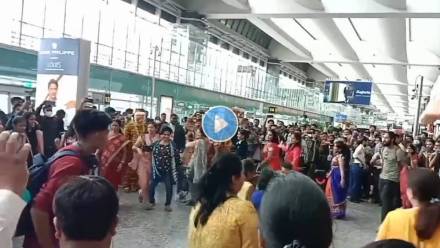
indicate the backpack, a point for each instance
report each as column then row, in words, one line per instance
column 38, row 176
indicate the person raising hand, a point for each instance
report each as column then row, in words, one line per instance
column 13, row 180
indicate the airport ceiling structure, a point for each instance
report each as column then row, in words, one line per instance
column 390, row 42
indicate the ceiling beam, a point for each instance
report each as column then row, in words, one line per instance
column 403, row 64
column 279, row 35
column 323, row 15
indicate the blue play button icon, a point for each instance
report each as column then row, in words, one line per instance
column 220, row 124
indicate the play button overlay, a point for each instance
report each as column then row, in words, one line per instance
column 220, row 124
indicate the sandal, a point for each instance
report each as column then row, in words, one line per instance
column 140, row 198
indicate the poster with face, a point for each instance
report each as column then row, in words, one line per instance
column 62, row 65
column 349, row 92
column 166, row 106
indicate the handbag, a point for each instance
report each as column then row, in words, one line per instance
column 38, row 159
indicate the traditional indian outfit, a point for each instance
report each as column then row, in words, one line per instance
column 132, row 131
column 246, row 191
column 335, row 193
column 142, row 162
column 400, row 224
column 198, row 164
column 414, row 163
column 293, row 156
column 232, row 224
column 111, row 157
column 275, row 160
column 404, row 186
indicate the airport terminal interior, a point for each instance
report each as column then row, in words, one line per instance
column 336, row 99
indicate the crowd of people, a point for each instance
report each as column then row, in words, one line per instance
column 271, row 185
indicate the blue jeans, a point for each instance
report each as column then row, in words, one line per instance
column 356, row 177
column 168, row 181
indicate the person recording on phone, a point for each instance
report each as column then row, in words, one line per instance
column 13, row 180
column 50, row 126
column 17, row 110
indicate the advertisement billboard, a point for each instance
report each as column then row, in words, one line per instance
column 340, row 117
column 349, row 92
column 166, row 106
column 63, row 72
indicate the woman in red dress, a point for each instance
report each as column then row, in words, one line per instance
column 414, row 162
column 272, row 151
column 113, row 157
column 294, row 153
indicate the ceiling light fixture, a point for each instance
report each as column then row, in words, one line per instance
column 303, row 28
column 355, row 30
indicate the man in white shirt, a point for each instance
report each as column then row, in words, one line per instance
column 13, row 180
column 357, row 170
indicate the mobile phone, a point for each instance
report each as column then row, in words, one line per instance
column 147, row 148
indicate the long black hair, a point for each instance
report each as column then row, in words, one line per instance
column 425, row 186
column 293, row 211
column 215, row 185
column 346, row 154
column 27, row 116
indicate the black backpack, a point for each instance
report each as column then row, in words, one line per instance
column 38, row 176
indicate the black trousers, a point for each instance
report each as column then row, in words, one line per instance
column 389, row 195
column 168, row 181
column 375, row 183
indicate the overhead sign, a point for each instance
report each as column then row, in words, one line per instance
column 63, row 74
column 220, row 124
column 350, row 92
column 340, row 117
column 58, row 56
column 107, row 98
column 272, row 110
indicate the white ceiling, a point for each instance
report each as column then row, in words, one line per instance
column 391, row 42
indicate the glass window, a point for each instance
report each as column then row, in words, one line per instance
column 54, row 18
column 147, row 16
column 74, row 18
column 31, row 36
column 106, row 25
column 91, row 20
column 33, row 12
column 10, row 13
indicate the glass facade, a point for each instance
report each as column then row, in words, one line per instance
column 126, row 37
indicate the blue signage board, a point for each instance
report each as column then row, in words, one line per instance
column 58, row 56
column 349, row 92
column 340, row 117
column 220, row 124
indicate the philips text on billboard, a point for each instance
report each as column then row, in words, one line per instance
column 349, row 92
column 58, row 56
column 63, row 65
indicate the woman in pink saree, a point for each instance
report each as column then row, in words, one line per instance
column 142, row 160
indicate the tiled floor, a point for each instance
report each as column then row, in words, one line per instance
column 144, row 229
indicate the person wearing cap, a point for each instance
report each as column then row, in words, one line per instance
column 134, row 130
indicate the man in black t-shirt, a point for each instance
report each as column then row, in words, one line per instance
column 50, row 126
